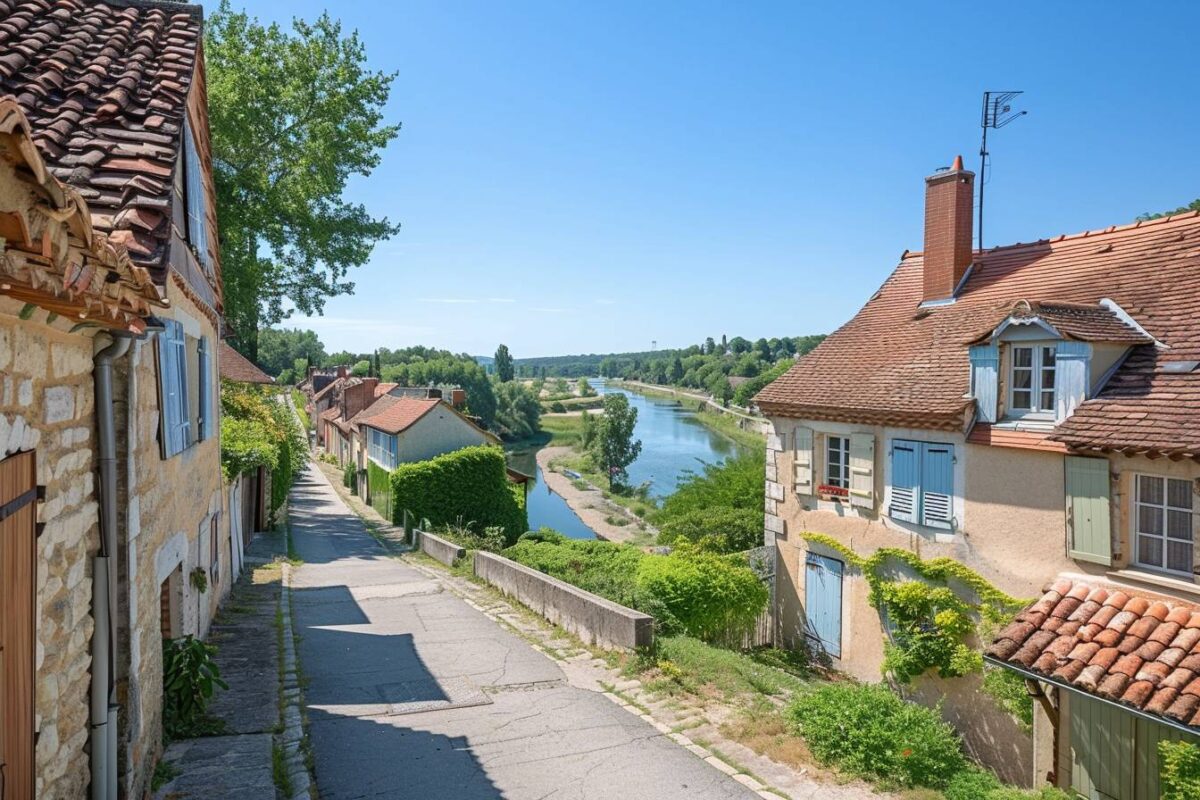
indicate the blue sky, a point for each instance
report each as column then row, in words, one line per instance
column 589, row 177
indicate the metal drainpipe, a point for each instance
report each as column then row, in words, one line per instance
column 104, row 578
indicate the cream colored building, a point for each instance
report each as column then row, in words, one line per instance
column 1027, row 411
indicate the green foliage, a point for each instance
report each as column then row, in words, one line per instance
column 700, row 668
column 867, row 731
column 189, row 678
column 930, row 620
column 698, row 594
column 299, row 401
column 293, row 116
column 543, row 534
column 472, row 537
column 734, row 483
column 361, row 369
column 518, row 412
column 1179, row 770
column 467, row 484
column 424, row 366
column 379, row 489
column 503, row 364
column 719, row 530
column 977, row 784
column 1192, row 206
column 746, row 392
column 587, row 430
column 280, row 348
column 259, row 430
column 350, row 477
column 1007, row 688
column 614, row 448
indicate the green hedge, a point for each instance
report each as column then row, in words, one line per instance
column 720, row 529
column 469, row 487
column 258, row 429
column 688, row 592
column 379, row 488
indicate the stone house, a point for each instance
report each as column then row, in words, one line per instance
column 1031, row 411
column 110, row 309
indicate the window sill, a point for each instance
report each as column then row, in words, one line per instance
column 1179, row 585
column 1037, row 424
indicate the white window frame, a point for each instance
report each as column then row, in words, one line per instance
column 842, row 479
column 1166, row 509
column 1037, row 369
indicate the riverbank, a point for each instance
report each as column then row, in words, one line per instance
column 746, row 430
column 589, row 504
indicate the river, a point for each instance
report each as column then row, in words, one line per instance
column 673, row 444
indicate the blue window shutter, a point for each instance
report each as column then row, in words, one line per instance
column 823, row 602
column 906, row 480
column 202, row 425
column 937, row 485
column 1072, row 367
column 985, row 368
column 168, row 387
column 195, row 200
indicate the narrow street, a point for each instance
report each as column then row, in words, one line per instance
column 412, row 693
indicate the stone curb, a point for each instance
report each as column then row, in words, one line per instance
column 303, row 786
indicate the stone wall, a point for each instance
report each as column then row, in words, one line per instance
column 167, row 507
column 438, row 548
column 46, row 406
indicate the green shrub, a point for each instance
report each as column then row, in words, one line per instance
column 379, row 488
column 604, row 568
column 259, row 431
column 717, row 530
column 543, row 534
column 1179, row 770
column 977, row 784
column 468, row 484
column 189, row 677
column 350, row 477
column 704, row 595
column 471, row 537
column 870, row 732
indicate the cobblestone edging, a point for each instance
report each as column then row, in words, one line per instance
column 292, row 739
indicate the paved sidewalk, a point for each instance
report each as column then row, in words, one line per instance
column 412, row 693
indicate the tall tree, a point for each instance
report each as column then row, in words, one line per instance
column 278, row 348
column 504, row 364
column 614, row 447
column 293, row 116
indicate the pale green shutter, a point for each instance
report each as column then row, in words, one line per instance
column 1088, row 509
column 803, row 449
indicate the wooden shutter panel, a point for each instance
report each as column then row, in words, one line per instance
column 862, row 469
column 1072, row 376
column 168, row 390
column 937, row 485
column 202, row 423
column 1088, row 509
column 802, row 440
column 906, row 480
column 985, row 368
column 18, row 625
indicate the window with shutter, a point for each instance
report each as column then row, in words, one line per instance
column 1088, row 509
column 906, row 483
column 937, row 485
column 922, row 484
column 203, row 390
column 862, row 470
column 175, row 425
column 197, row 212
column 802, row 441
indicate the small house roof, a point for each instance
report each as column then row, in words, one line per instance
column 236, row 367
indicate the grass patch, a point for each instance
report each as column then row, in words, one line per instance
column 298, row 399
column 681, row 664
column 766, row 732
column 279, row 770
column 164, row 773
column 564, row 431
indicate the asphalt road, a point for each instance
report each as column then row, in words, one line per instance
column 412, row 693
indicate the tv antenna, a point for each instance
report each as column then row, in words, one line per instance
column 997, row 113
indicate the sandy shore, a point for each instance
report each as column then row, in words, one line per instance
column 590, row 505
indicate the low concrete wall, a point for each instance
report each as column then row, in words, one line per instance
column 437, row 547
column 593, row 619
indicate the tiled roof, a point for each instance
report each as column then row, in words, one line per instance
column 332, row 388
column 1088, row 323
column 1111, row 642
column 105, row 86
column 236, row 367
column 395, row 414
column 894, row 362
column 383, row 388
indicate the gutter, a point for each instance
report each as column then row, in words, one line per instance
column 1029, row 675
column 103, row 705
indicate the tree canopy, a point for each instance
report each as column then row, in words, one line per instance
column 279, row 349
column 293, row 115
column 504, row 364
column 613, row 445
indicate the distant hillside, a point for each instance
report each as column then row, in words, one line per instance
column 576, row 366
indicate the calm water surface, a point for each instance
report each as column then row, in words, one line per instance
column 674, row 443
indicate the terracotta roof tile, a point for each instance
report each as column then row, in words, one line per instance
column 396, row 414
column 236, row 367
column 100, row 78
column 895, row 363
column 1144, row 674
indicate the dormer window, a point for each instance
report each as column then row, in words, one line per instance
column 1032, row 379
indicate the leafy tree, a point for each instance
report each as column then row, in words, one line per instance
column 293, row 116
column 739, row 345
column 1192, row 206
column 587, row 430
column 676, row 370
column 614, row 448
column 361, row 368
column 504, row 364
column 709, row 346
column 724, row 344
column 518, row 412
column 279, row 349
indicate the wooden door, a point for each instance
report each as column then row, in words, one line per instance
column 823, row 603
column 18, row 586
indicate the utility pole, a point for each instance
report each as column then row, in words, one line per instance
column 997, row 113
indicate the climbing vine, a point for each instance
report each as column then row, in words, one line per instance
column 931, row 624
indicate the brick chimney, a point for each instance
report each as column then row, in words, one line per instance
column 949, row 203
column 357, row 397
